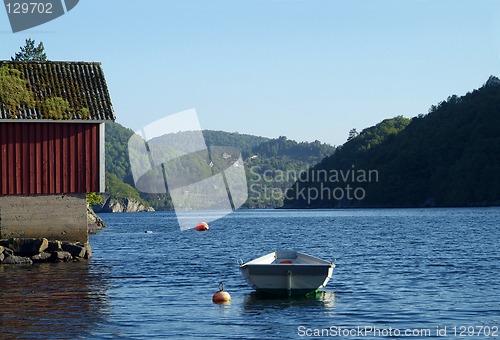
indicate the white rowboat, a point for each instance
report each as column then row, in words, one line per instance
column 287, row 272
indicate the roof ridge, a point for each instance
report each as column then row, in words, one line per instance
column 49, row 62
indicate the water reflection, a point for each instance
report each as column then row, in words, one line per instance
column 256, row 302
column 63, row 300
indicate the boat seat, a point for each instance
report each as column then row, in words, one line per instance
column 286, row 254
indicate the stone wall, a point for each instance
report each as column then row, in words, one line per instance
column 55, row 217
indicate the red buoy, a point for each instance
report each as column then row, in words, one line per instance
column 221, row 296
column 202, row 226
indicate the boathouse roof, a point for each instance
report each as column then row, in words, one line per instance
column 55, row 90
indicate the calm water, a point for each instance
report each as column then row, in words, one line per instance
column 402, row 269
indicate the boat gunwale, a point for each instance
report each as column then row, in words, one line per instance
column 314, row 261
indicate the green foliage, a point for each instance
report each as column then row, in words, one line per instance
column 13, row 90
column 15, row 93
column 31, row 53
column 289, row 149
column 243, row 142
column 117, row 159
column 271, row 164
column 84, row 113
column 448, row 157
column 55, row 108
column 353, row 133
column 116, row 188
column 93, row 198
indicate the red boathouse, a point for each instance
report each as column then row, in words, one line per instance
column 52, row 117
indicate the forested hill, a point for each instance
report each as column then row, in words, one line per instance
column 117, row 137
column 242, row 142
column 449, row 157
column 271, row 165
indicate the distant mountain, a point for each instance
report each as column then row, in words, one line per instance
column 449, row 157
column 243, row 142
column 272, row 165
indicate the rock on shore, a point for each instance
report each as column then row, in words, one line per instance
column 94, row 222
column 111, row 205
column 30, row 250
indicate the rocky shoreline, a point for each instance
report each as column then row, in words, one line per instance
column 39, row 250
column 112, row 205
column 94, row 222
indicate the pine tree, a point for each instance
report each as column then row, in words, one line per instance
column 30, row 52
column 353, row 133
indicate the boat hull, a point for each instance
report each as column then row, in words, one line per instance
column 287, row 279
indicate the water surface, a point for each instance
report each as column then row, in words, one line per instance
column 414, row 269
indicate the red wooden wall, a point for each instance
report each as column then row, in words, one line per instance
column 49, row 158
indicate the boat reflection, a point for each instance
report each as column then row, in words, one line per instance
column 63, row 300
column 256, row 301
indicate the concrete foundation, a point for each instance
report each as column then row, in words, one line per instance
column 55, row 217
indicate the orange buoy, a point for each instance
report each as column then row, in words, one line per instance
column 221, row 296
column 202, row 226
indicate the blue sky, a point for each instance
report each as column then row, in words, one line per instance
column 305, row 69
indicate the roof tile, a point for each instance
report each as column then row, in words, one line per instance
column 81, row 84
